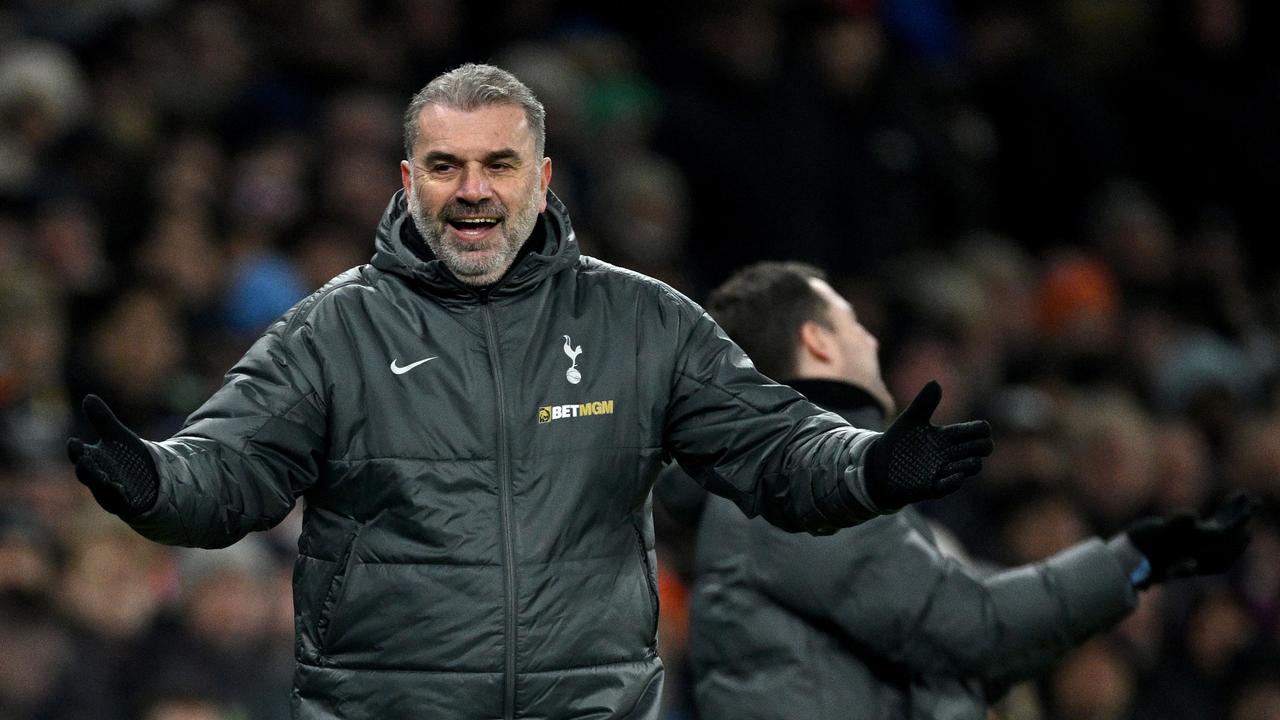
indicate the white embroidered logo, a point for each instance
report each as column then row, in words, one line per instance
column 572, row 374
column 400, row 370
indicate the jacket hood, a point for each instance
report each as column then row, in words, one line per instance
column 392, row 254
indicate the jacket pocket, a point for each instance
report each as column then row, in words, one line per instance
column 338, row 582
column 651, row 585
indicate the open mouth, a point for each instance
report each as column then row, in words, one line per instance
column 473, row 228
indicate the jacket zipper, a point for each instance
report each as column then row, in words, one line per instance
column 504, row 487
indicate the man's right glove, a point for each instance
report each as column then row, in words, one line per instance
column 917, row 460
column 117, row 469
column 1183, row 545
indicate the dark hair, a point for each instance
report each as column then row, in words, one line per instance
column 762, row 308
column 472, row 86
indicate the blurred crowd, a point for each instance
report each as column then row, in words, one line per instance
column 1059, row 210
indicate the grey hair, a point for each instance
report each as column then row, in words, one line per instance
column 469, row 87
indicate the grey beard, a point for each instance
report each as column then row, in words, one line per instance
column 477, row 273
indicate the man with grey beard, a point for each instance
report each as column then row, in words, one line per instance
column 475, row 420
column 464, row 209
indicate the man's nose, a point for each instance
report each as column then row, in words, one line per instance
column 474, row 185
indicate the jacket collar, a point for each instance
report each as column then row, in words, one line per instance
column 393, row 254
column 840, row 398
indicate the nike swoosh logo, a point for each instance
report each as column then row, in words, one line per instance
column 397, row 369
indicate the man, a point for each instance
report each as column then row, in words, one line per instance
column 475, row 420
column 876, row 622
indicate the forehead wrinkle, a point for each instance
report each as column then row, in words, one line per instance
column 476, row 133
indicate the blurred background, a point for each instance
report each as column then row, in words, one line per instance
column 1061, row 210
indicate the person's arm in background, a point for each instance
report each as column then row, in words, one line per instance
column 236, row 466
column 898, row 597
column 775, row 454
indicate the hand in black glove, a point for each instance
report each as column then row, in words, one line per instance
column 1183, row 545
column 917, row 460
column 117, row 469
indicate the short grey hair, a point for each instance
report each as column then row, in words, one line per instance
column 469, row 87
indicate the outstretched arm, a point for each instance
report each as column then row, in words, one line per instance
column 775, row 454
column 238, row 464
column 894, row 594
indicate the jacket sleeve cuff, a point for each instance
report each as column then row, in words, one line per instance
column 1092, row 586
column 853, row 482
column 162, row 523
column 1136, row 565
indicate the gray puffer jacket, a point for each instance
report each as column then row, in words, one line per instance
column 476, row 468
column 875, row 623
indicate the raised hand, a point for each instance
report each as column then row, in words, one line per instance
column 1183, row 545
column 917, row 460
column 117, row 469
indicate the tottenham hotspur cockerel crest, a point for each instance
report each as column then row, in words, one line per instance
column 572, row 374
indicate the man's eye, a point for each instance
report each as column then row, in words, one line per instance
column 499, row 167
column 440, row 168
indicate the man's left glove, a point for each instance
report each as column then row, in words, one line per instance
column 1183, row 545
column 117, row 469
column 917, row 460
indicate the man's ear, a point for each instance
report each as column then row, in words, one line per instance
column 815, row 341
column 406, row 176
column 545, row 182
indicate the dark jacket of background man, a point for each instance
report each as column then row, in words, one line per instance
column 876, row 621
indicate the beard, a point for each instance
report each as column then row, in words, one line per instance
column 474, row 265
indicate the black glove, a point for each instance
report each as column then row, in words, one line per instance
column 117, row 469
column 1183, row 545
column 917, row 460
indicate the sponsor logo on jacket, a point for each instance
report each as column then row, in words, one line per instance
column 562, row 412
